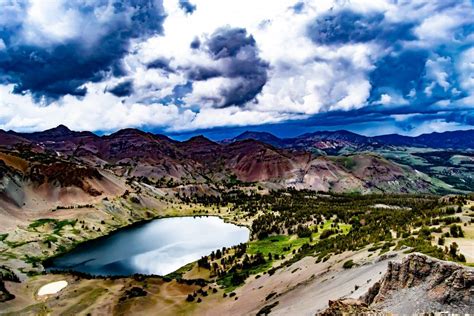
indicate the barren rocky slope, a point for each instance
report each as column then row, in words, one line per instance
column 32, row 181
column 417, row 285
column 421, row 284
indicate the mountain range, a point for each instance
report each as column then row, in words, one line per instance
column 333, row 140
column 454, row 140
column 63, row 166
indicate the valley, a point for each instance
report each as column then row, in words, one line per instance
column 323, row 226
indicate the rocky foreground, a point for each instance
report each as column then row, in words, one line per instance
column 417, row 285
column 423, row 284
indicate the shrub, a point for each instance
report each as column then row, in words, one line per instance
column 303, row 231
column 441, row 241
column 348, row 264
column 135, row 200
column 327, row 233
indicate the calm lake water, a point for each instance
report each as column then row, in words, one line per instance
column 157, row 247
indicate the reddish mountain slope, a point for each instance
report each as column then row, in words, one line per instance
column 159, row 160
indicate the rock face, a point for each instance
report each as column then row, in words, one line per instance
column 349, row 307
column 421, row 284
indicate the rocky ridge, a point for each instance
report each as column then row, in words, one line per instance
column 421, row 284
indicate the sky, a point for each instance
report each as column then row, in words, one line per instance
column 218, row 68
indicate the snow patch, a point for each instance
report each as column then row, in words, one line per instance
column 52, row 288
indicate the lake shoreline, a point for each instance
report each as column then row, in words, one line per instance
column 161, row 253
column 138, row 223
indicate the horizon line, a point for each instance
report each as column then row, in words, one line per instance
column 230, row 138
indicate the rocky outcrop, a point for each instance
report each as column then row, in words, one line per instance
column 422, row 284
column 348, row 307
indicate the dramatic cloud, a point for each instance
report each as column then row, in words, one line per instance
column 398, row 73
column 236, row 75
column 177, row 66
column 54, row 47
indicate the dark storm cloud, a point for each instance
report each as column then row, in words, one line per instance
column 374, row 121
column 60, row 71
column 421, row 76
column 187, row 6
column 399, row 73
column 408, row 74
column 342, row 27
column 238, row 57
column 53, row 69
column 227, row 42
column 123, row 89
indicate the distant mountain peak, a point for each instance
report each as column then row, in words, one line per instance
column 264, row 137
column 58, row 133
column 62, row 127
column 58, row 130
column 461, row 139
column 128, row 131
column 200, row 139
column 249, row 133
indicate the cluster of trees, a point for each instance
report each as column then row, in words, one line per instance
column 371, row 222
column 446, row 220
column 294, row 212
column 455, row 231
column 233, row 259
column 302, row 213
column 453, row 210
column 454, row 253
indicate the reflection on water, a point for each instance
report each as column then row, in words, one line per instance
column 158, row 247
